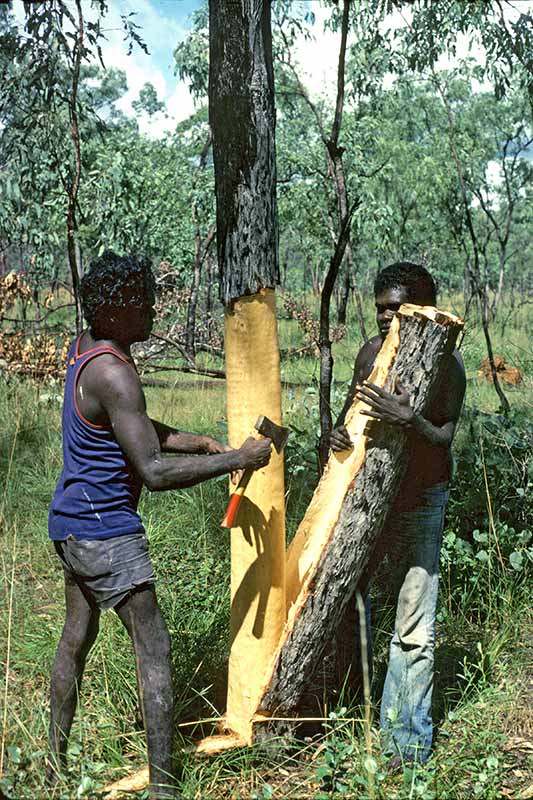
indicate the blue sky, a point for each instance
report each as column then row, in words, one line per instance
column 163, row 24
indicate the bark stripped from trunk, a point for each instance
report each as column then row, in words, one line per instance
column 242, row 117
column 347, row 512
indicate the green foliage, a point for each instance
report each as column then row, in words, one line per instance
column 336, row 760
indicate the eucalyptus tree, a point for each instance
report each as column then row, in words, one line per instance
column 46, row 117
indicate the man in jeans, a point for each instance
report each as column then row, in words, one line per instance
column 413, row 531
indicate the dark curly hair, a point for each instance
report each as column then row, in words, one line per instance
column 414, row 278
column 110, row 286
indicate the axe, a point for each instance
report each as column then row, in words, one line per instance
column 279, row 436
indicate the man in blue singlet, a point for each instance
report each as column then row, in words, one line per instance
column 111, row 448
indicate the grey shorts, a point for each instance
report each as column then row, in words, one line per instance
column 107, row 570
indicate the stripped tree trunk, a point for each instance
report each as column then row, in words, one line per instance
column 242, row 117
column 349, row 507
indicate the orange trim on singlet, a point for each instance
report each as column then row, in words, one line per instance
column 102, row 351
column 78, row 355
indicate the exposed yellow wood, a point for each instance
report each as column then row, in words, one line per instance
column 258, row 543
column 212, row 745
column 131, row 783
column 209, row 746
column 323, row 511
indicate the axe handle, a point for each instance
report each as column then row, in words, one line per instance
column 235, row 500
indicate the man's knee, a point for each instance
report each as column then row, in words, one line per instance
column 79, row 638
column 415, row 614
column 143, row 619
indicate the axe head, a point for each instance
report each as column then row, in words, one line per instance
column 277, row 433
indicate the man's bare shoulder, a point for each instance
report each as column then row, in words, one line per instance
column 108, row 377
column 370, row 348
column 366, row 357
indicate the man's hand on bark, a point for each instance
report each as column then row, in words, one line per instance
column 339, row 439
column 385, row 407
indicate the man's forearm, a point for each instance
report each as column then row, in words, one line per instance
column 179, row 473
column 434, row 434
column 172, row 440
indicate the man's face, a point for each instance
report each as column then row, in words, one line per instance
column 387, row 304
column 143, row 317
column 139, row 313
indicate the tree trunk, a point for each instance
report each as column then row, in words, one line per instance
column 344, row 520
column 324, row 344
column 344, row 295
column 200, row 252
column 74, row 184
column 242, row 117
column 210, row 281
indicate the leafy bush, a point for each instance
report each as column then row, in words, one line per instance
column 489, row 526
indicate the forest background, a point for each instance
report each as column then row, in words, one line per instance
column 429, row 164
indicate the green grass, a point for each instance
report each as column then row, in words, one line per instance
column 485, row 628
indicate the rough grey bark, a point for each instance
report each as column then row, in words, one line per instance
column 423, row 346
column 242, row 117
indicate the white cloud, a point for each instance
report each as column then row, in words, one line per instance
column 161, row 35
column 318, row 56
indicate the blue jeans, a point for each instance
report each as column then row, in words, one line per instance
column 415, row 536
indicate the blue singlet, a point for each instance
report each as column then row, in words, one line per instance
column 98, row 492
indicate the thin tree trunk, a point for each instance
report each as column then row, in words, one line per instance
column 324, row 343
column 200, row 252
column 345, row 219
column 210, row 282
column 75, row 183
column 344, row 295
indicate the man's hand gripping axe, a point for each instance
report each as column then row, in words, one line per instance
column 279, row 436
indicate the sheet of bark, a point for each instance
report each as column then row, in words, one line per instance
column 419, row 341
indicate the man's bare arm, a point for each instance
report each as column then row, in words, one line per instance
column 395, row 408
column 172, row 440
column 119, row 391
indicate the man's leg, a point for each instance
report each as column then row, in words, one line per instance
column 142, row 618
column 79, row 633
column 406, row 703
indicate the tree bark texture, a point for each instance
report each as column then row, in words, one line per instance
column 346, row 515
column 243, row 119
